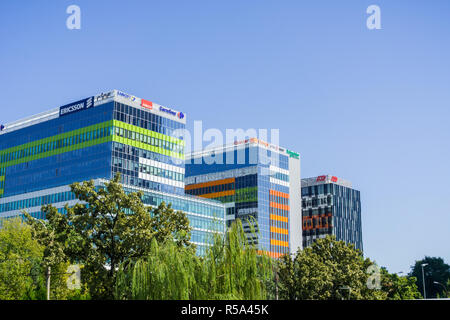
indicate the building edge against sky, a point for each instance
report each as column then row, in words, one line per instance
column 331, row 206
column 94, row 138
column 256, row 180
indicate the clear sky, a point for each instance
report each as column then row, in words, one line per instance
column 370, row 106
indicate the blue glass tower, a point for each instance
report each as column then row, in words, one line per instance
column 259, row 183
column 93, row 139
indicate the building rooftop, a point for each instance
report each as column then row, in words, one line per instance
column 324, row 179
column 114, row 95
column 241, row 144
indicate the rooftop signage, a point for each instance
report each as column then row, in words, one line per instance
column 126, row 96
column 324, row 178
column 171, row 112
column 104, row 96
column 146, row 104
column 292, row 154
column 76, row 106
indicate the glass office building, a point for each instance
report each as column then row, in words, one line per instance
column 93, row 139
column 331, row 207
column 259, row 183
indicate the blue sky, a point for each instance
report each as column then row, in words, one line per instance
column 370, row 106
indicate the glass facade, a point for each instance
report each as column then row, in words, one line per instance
column 254, row 185
column 96, row 143
column 331, row 209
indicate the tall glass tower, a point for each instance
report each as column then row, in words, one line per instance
column 259, row 183
column 95, row 138
column 331, row 207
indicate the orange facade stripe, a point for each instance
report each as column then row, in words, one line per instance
column 279, row 194
column 218, row 194
column 279, row 230
column 271, row 254
column 279, row 206
column 209, row 184
column 278, row 218
column 279, row 243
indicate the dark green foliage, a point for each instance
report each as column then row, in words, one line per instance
column 436, row 270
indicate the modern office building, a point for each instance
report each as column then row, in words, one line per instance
column 94, row 138
column 259, row 183
column 331, row 207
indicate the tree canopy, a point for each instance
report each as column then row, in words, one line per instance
column 331, row 269
column 108, row 228
column 19, row 255
column 436, row 270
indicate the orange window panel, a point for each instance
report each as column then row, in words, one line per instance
column 279, row 243
column 279, row 206
column 209, row 184
column 270, row 254
column 279, row 194
column 278, row 218
column 279, row 230
column 218, row 194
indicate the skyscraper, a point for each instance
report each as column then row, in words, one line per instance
column 95, row 138
column 331, row 207
column 259, row 184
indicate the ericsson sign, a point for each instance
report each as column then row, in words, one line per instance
column 76, row 106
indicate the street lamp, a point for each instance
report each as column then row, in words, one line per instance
column 48, row 267
column 423, row 280
column 346, row 288
column 445, row 289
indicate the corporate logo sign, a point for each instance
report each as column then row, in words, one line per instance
column 324, row 178
column 171, row 112
column 146, row 104
column 126, row 96
column 76, row 106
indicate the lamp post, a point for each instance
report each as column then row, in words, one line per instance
column 423, row 280
column 445, row 289
column 48, row 267
column 346, row 288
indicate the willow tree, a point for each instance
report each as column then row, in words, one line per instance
column 230, row 269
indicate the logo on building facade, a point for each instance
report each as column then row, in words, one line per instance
column 146, row 104
column 76, row 106
column 126, row 96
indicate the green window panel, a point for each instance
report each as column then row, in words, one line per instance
column 57, row 151
column 147, row 147
column 148, row 140
column 55, row 138
column 157, row 135
column 249, row 194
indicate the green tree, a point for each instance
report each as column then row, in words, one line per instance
column 435, row 270
column 230, row 269
column 236, row 270
column 110, row 228
column 54, row 259
column 328, row 269
column 19, row 255
column 399, row 288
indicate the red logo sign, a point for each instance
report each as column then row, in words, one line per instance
column 147, row 104
column 334, row 179
column 321, row 178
